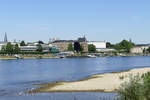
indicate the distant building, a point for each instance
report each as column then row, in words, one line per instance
column 4, row 42
column 5, row 38
column 45, row 47
column 62, row 45
column 53, row 39
column 28, row 48
column 83, row 41
column 139, row 48
column 100, row 45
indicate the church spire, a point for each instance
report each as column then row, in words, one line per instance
column 5, row 38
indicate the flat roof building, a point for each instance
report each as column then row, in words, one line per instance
column 98, row 44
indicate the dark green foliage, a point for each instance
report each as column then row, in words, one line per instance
column 40, row 42
column 70, row 47
column 82, row 48
column 9, row 48
column 39, row 48
column 109, row 45
column 3, row 52
column 3, row 48
column 91, row 48
column 148, row 49
column 124, row 46
column 16, row 49
column 22, row 43
column 77, row 47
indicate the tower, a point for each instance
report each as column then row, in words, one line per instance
column 5, row 38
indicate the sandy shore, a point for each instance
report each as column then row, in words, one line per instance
column 97, row 83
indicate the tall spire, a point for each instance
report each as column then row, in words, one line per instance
column 5, row 38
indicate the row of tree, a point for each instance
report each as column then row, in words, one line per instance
column 9, row 48
column 14, row 49
column 123, row 46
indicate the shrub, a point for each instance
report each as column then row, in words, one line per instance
column 146, row 85
column 131, row 90
column 137, row 88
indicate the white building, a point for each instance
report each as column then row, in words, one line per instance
column 100, row 45
column 46, row 48
column 28, row 48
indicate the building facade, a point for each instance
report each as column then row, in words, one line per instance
column 139, row 48
column 100, row 45
column 62, row 45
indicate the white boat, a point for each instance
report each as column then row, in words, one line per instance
column 91, row 56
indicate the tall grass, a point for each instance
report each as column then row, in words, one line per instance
column 137, row 88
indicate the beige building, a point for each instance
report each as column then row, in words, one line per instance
column 62, row 45
column 139, row 49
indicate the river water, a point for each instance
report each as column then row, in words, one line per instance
column 17, row 76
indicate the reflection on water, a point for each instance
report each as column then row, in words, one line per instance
column 19, row 75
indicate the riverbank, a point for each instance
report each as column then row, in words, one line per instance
column 109, row 82
column 28, row 57
column 9, row 57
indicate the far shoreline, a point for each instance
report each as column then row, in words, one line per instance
column 57, row 57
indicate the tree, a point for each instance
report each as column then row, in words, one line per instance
column 132, row 90
column 91, row 48
column 9, row 48
column 136, row 88
column 40, row 42
column 124, row 45
column 22, row 43
column 109, row 45
column 77, row 47
column 39, row 48
column 82, row 48
column 148, row 49
column 70, row 47
column 3, row 48
column 16, row 49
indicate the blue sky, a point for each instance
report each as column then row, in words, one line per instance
column 109, row 20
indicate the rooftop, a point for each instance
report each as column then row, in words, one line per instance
column 138, row 45
column 63, row 41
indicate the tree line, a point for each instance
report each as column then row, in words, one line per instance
column 14, row 49
column 123, row 46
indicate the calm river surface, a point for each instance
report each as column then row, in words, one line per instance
column 19, row 75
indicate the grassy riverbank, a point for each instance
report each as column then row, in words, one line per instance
column 83, row 55
column 27, row 57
